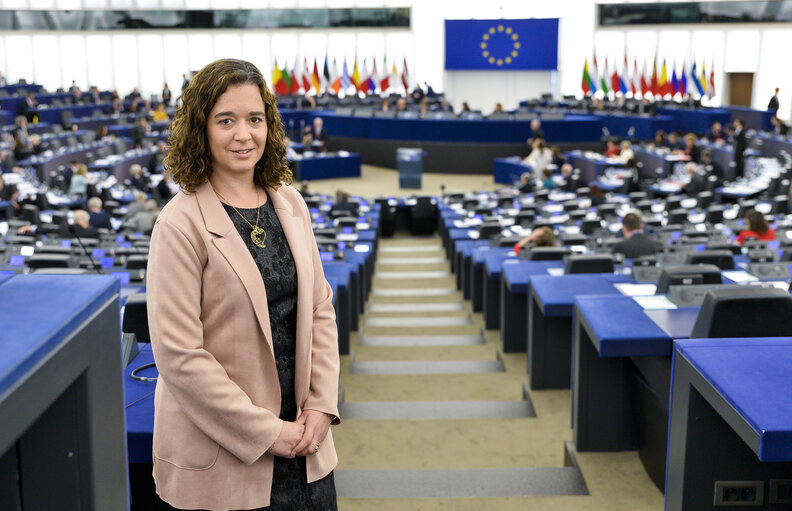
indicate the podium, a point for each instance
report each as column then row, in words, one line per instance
column 409, row 161
column 62, row 440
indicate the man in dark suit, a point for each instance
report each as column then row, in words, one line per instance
column 635, row 243
column 98, row 218
column 772, row 105
column 711, row 167
column 697, row 182
column 740, row 144
column 82, row 227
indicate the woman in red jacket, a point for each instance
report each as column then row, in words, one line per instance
column 757, row 228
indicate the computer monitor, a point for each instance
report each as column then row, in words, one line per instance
column 688, row 275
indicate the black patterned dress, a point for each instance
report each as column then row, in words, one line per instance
column 290, row 491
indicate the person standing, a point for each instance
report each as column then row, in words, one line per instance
column 740, row 145
column 242, row 324
column 772, row 105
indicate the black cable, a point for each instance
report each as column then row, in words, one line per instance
column 143, row 378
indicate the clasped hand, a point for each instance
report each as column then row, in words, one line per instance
column 300, row 438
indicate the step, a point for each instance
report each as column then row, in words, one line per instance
column 432, row 291
column 438, row 274
column 419, row 321
column 402, row 249
column 434, row 410
column 428, row 367
column 412, row 260
column 416, row 307
column 460, row 483
column 394, row 341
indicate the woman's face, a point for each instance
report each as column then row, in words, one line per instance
column 236, row 130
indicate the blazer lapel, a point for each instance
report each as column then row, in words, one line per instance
column 295, row 230
column 230, row 244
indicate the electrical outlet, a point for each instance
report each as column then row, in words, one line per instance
column 739, row 493
column 780, row 491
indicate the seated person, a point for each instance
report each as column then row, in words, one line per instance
column 659, row 140
column 540, row 157
column 79, row 181
column 82, row 226
column 539, row 237
column 635, row 243
column 611, row 149
column 697, row 182
column 691, row 149
column 711, row 167
column 136, row 206
column 626, row 154
column 558, row 157
column 757, row 228
column 596, row 195
column 136, row 178
column 143, row 221
column 536, row 131
column 316, row 135
column 715, row 133
column 98, row 218
column 779, row 128
column 566, row 173
column 8, row 193
column 673, row 143
column 342, row 203
column 163, row 190
column 547, row 182
column 499, row 109
column 160, row 115
column 385, row 107
column 526, row 184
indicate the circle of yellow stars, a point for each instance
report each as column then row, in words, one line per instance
column 499, row 60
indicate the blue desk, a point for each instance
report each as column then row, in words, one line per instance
column 549, row 326
column 754, row 119
column 699, row 120
column 514, row 287
column 621, row 376
column 60, row 393
column 644, row 126
column 591, row 168
column 463, row 265
column 327, row 166
column 652, row 161
column 54, row 115
column 508, row 171
column 773, row 145
column 490, row 267
column 727, row 428
column 339, row 274
column 139, row 404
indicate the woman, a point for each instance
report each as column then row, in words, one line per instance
column 79, row 181
column 539, row 158
column 160, row 115
column 242, row 324
column 757, row 228
column 539, row 237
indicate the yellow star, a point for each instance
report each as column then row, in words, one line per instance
column 508, row 60
column 485, row 54
column 483, row 46
column 508, row 30
column 492, row 30
column 514, row 54
column 515, row 36
column 491, row 60
column 516, row 45
column 500, row 28
column 500, row 62
column 485, row 36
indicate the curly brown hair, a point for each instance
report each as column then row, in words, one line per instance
column 189, row 159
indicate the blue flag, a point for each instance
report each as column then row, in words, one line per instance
column 525, row 44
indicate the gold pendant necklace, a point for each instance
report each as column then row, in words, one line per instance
column 257, row 231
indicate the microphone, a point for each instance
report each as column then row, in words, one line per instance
column 73, row 232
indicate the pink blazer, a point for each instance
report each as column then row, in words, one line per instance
column 217, row 400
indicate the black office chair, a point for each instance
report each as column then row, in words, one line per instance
column 688, row 275
column 525, row 218
column 137, row 262
column 30, row 213
column 704, row 200
column 734, row 248
column 423, row 216
column 387, row 217
column 762, row 256
column 49, row 261
column 54, row 249
column 589, row 263
column 489, row 229
column 714, row 214
column 590, row 225
column 136, row 317
column 644, row 205
column 544, row 253
column 744, row 311
column 678, row 216
column 573, row 239
column 20, row 240
column 723, row 259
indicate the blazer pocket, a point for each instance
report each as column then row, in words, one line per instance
column 179, row 442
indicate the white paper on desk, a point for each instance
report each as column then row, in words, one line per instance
column 739, row 276
column 780, row 284
column 654, row 302
column 474, row 235
column 555, row 272
column 628, row 289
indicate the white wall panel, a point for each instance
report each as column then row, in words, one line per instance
column 74, row 61
column 228, row 46
column 284, row 49
column 773, row 72
column 742, row 51
column 122, row 4
column 201, row 49
column 94, row 4
column 46, row 61
column 256, row 50
column 99, row 49
column 197, row 4
column 227, row 4
column 175, row 60
column 70, row 5
column 126, row 74
column 172, row 4
column 253, row 4
column 19, row 57
column 41, row 4
column 150, row 58
column 14, row 4
column 147, row 4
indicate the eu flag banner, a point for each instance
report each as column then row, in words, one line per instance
column 529, row 44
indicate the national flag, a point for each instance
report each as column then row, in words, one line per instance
column 614, row 78
column 674, row 80
column 683, row 81
column 278, row 85
column 356, row 75
column 603, row 80
column 703, row 80
column 624, row 77
column 695, row 79
column 595, row 82
column 635, row 84
column 286, row 80
column 326, row 75
column 346, row 80
column 374, row 78
column 335, row 83
column 365, row 82
column 306, row 76
column 711, row 84
column 646, row 84
column 663, row 85
column 654, row 82
column 385, row 79
column 405, row 77
column 295, row 81
column 588, row 87
column 315, row 80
